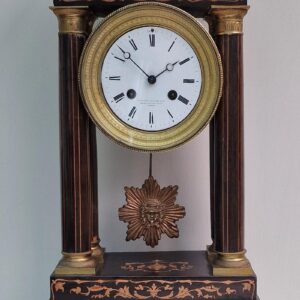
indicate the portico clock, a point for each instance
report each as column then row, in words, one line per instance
column 150, row 76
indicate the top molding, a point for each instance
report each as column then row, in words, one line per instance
column 195, row 7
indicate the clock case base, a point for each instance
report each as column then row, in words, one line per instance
column 154, row 275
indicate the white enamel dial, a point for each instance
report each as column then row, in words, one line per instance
column 151, row 78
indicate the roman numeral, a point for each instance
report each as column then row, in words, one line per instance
column 183, row 100
column 114, row 77
column 188, row 80
column 184, row 61
column 116, row 57
column 172, row 45
column 119, row 97
column 151, row 118
column 132, row 43
column 132, row 112
column 152, row 40
column 170, row 114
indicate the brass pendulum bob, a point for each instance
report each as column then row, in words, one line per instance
column 151, row 211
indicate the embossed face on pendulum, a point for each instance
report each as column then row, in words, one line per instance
column 151, row 78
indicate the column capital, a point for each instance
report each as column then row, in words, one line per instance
column 74, row 19
column 228, row 20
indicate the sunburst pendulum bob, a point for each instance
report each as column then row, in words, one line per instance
column 151, row 211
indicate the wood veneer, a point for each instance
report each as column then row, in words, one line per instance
column 155, row 275
column 227, row 151
column 94, row 183
column 75, row 150
column 103, row 7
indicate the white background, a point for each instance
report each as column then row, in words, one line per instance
column 29, row 156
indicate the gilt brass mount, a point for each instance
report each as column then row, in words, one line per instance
column 228, row 19
column 151, row 211
column 96, row 249
column 77, row 263
column 76, row 19
column 229, row 264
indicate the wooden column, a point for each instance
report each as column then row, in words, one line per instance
column 76, row 132
column 97, row 251
column 227, row 147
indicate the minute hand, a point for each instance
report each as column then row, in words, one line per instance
column 169, row 67
column 127, row 55
column 138, row 66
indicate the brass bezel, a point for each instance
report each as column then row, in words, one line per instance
column 122, row 21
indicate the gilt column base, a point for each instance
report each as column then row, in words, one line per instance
column 229, row 264
column 77, row 264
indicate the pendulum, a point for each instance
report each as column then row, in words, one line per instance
column 151, row 211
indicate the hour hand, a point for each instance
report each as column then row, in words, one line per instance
column 169, row 67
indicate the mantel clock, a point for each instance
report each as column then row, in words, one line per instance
column 150, row 77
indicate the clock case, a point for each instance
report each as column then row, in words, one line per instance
column 85, row 271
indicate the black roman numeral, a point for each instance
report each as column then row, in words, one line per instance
column 132, row 43
column 114, row 77
column 172, row 45
column 170, row 114
column 119, row 97
column 132, row 112
column 116, row 57
column 188, row 80
column 183, row 100
column 184, row 61
column 152, row 40
column 151, row 118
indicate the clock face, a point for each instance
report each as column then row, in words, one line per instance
column 151, row 78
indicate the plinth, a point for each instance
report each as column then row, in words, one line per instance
column 154, row 275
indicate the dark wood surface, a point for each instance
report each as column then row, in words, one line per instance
column 174, row 2
column 75, row 149
column 103, row 7
column 194, row 281
column 212, row 181
column 94, row 182
column 227, row 151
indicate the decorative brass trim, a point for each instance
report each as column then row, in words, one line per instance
column 96, row 249
column 157, row 266
column 117, row 24
column 231, row 264
column 228, row 19
column 74, row 19
column 153, row 289
column 151, row 211
column 77, row 264
column 211, row 253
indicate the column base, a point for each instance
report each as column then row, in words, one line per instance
column 229, row 264
column 97, row 251
column 77, row 264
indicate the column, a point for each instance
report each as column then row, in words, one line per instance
column 227, row 147
column 75, row 146
column 97, row 251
